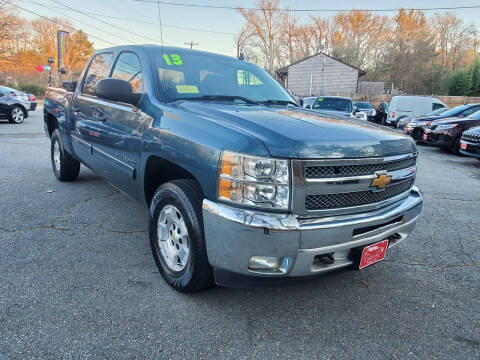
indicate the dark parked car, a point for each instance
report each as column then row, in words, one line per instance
column 33, row 102
column 367, row 108
column 403, row 123
column 416, row 127
column 446, row 133
column 381, row 113
column 470, row 143
column 14, row 105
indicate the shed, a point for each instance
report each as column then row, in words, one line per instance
column 320, row 74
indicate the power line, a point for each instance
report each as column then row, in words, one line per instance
column 57, row 22
column 104, row 22
column 307, row 10
column 135, row 20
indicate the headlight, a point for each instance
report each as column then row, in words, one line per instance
column 443, row 127
column 254, row 181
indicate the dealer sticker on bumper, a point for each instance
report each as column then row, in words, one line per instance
column 373, row 253
column 424, row 136
column 463, row 145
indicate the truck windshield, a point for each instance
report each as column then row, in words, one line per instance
column 333, row 104
column 194, row 75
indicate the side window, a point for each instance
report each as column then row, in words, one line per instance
column 470, row 111
column 99, row 69
column 128, row 68
column 436, row 106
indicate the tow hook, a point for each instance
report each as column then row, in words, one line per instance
column 326, row 259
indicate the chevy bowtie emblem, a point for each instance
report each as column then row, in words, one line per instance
column 381, row 181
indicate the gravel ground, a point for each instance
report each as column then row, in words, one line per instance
column 78, row 279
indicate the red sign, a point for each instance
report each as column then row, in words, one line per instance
column 373, row 253
column 425, row 136
column 39, row 68
column 463, row 145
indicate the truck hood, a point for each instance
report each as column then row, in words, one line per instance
column 297, row 133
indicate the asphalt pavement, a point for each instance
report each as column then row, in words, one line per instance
column 78, row 280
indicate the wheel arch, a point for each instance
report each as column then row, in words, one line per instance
column 158, row 171
column 51, row 122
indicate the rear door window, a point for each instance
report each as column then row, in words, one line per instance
column 471, row 110
column 99, row 69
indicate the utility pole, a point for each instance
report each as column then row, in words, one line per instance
column 191, row 43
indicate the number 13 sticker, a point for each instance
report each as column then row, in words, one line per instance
column 172, row 59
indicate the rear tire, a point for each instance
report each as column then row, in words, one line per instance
column 65, row 167
column 177, row 237
column 17, row 115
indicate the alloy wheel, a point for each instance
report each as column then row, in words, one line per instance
column 173, row 238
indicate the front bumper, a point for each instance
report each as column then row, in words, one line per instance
column 472, row 150
column 440, row 139
column 234, row 235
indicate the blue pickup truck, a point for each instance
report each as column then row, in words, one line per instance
column 244, row 187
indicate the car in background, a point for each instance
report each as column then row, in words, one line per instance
column 381, row 113
column 403, row 106
column 14, row 105
column 470, row 143
column 33, row 102
column 416, row 127
column 403, row 123
column 367, row 108
column 447, row 133
column 334, row 105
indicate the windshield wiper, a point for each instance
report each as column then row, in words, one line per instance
column 220, row 97
column 279, row 102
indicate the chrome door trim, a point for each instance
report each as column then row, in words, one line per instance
column 130, row 170
column 106, row 103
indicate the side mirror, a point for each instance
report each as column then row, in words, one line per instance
column 69, row 85
column 117, row 90
column 300, row 102
column 355, row 109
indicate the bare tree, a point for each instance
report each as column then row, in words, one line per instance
column 266, row 25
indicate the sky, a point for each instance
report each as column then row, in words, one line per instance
column 228, row 22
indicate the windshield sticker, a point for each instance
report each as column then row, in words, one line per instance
column 187, row 89
column 320, row 99
column 172, row 59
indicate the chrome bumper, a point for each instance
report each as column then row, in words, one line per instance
column 234, row 235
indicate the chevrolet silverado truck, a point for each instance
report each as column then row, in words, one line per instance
column 244, row 187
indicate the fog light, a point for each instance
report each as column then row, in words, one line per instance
column 268, row 264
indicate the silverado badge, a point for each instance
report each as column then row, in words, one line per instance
column 381, row 180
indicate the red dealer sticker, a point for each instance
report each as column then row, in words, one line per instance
column 425, row 136
column 463, row 145
column 373, row 253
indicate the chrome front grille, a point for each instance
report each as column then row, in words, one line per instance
column 350, row 199
column 471, row 136
column 343, row 186
column 316, row 172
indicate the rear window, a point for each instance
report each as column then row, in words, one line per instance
column 363, row 105
column 333, row 104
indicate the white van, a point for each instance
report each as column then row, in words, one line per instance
column 411, row 106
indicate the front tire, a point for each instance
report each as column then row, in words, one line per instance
column 456, row 146
column 65, row 167
column 177, row 238
column 17, row 115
